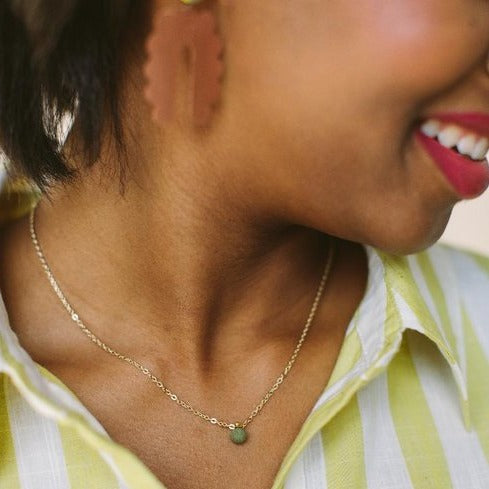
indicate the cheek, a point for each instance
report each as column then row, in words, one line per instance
column 352, row 59
column 417, row 48
column 329, row 123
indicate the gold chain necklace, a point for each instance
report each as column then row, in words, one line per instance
column 237, row 430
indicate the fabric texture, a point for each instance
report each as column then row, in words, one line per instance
column 407, row 404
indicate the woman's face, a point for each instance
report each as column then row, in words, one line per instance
column 330, row 94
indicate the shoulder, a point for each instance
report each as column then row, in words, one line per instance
column 17, row 196
column 469, row 268
column 463, row 278
column 463, row 272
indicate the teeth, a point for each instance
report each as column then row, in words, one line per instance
column 450, row 136
column 466, row 145
column 431, row 128
column 480, row 149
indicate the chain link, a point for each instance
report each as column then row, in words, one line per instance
column 146, row 371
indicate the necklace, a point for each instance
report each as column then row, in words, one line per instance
column 237, row 433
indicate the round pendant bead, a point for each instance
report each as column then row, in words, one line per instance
column 238, row 435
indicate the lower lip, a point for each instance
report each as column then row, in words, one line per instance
column 469, row 179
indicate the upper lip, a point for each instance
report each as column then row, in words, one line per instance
column 477, row 122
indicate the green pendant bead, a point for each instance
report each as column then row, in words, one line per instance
column 238, row 435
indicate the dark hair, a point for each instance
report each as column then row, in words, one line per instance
column 58, row 57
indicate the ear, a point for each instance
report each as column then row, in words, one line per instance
column 172, row 33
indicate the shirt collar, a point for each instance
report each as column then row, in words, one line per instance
column 402, row 293
column 419, row 292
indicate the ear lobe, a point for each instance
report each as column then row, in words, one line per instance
column 172, row 33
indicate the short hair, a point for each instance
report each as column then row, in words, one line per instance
column 58, row 57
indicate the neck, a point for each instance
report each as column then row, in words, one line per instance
column 204, row 266
column 187, row 268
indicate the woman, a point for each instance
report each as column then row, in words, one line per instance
column 275, row 220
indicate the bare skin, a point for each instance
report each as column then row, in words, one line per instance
column 136, row 414
column 207, row 266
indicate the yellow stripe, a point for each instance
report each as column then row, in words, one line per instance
column 134, row 472
column 132, row 469
column 86, row 469
column 438, row 296
column 398, row 277
column 85, row 466
column 9, row 477
column 343, row 449
column 414, row 424
column 481, row 260
column 351, row 351
column 16, row 199
column 478, row 387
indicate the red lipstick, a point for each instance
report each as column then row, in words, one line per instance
column 468, row 178
column 476, row 122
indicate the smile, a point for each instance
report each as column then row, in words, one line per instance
column 457, row 138
column 459, row 151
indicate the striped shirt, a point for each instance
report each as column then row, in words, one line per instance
column 407, row 404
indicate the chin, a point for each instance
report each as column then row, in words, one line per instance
column 407, row 236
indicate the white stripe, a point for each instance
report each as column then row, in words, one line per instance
column 448, row 282
column 423, row 287
column 408, row 318
column 17, row 352
column 309, row 470
column 338, row 387
column 368, row 322
column 385, row 464
column 465, row 458
column 473, row 286
column 37, row 443
column 54, row 401
column 425, row 293
column 372, row 310
column 410, row 321
column 443, row 270
column 75, row 404
column 296, row 478
column 44, row 409
column 314, row 465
